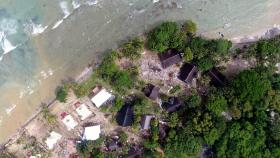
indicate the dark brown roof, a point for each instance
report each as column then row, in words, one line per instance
column 170, row 57
column 172, row 104
column 151, row 91
column 187, row 73
column 217, row 78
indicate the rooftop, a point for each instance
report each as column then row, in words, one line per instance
column 145, row 121
column 170, row 57
column 125, row 116
column 68, row 121
column 82, row 110
column 217, row 78
column 172, row 104
column 187, row 73
column 92, row 132
column 151, row 91
column 101, row 97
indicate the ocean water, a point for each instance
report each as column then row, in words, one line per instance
column 43, row 42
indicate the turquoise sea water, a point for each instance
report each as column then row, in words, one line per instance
column 45, row 41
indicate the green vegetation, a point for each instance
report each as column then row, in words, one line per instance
column 133, row 49
column 205, row 64
column 152, row 142
column 188, row 54
column 167, row 35
column 175, row 89
column 241, row 119
column 236, row 120
column 123, row 137
column 87, row 149
column 61, row 94
column 266, row 51
column 120, row 80
column 141, row 106
column 173, row 120
column 180, row 145
column 190, row 27
column 50, row 118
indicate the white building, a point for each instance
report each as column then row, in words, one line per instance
column 92, row 133
column 52, row 139
column 82, row 111
column 101, row 97
column 69, row 122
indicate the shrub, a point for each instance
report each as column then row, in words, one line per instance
column 61, row 94
column 175, row 89
column 188, row 54
column 133, row 48
column 205, row 64
column 190, row 27
column 121, row 81
column 50, row 118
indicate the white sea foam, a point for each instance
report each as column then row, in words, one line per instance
column 109, row 21
column 57, row 24
column 38, row 29
column 64, row 7
column 76, row 4
column 29, row 90
column 92, row 2
column 6, row 44
column 155, row 1
column 34, row 29
column 9, row 26
column 1, row 120
column 10, row 109
column 50, row 72
column 21, row 94
column 44, row 74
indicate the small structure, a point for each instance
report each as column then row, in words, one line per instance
column 92, row 132
column 146, row 121
column 112, row 145
column 217, row 78
column 101, row 97
column 52, row 139
column 125, row 116
column 170, row 57
column 82, row 110
column 172, row 104
column 68, row 121
column 187, row 73
column 133, row 153
column 151, row 91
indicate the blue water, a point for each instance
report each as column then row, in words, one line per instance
column 56, row 39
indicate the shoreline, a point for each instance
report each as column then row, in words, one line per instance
column 87, row 71
column 85, row 74
column 266, row 33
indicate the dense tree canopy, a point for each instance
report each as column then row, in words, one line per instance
column 249, row 86
column 167, row 35
column 180, row 145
